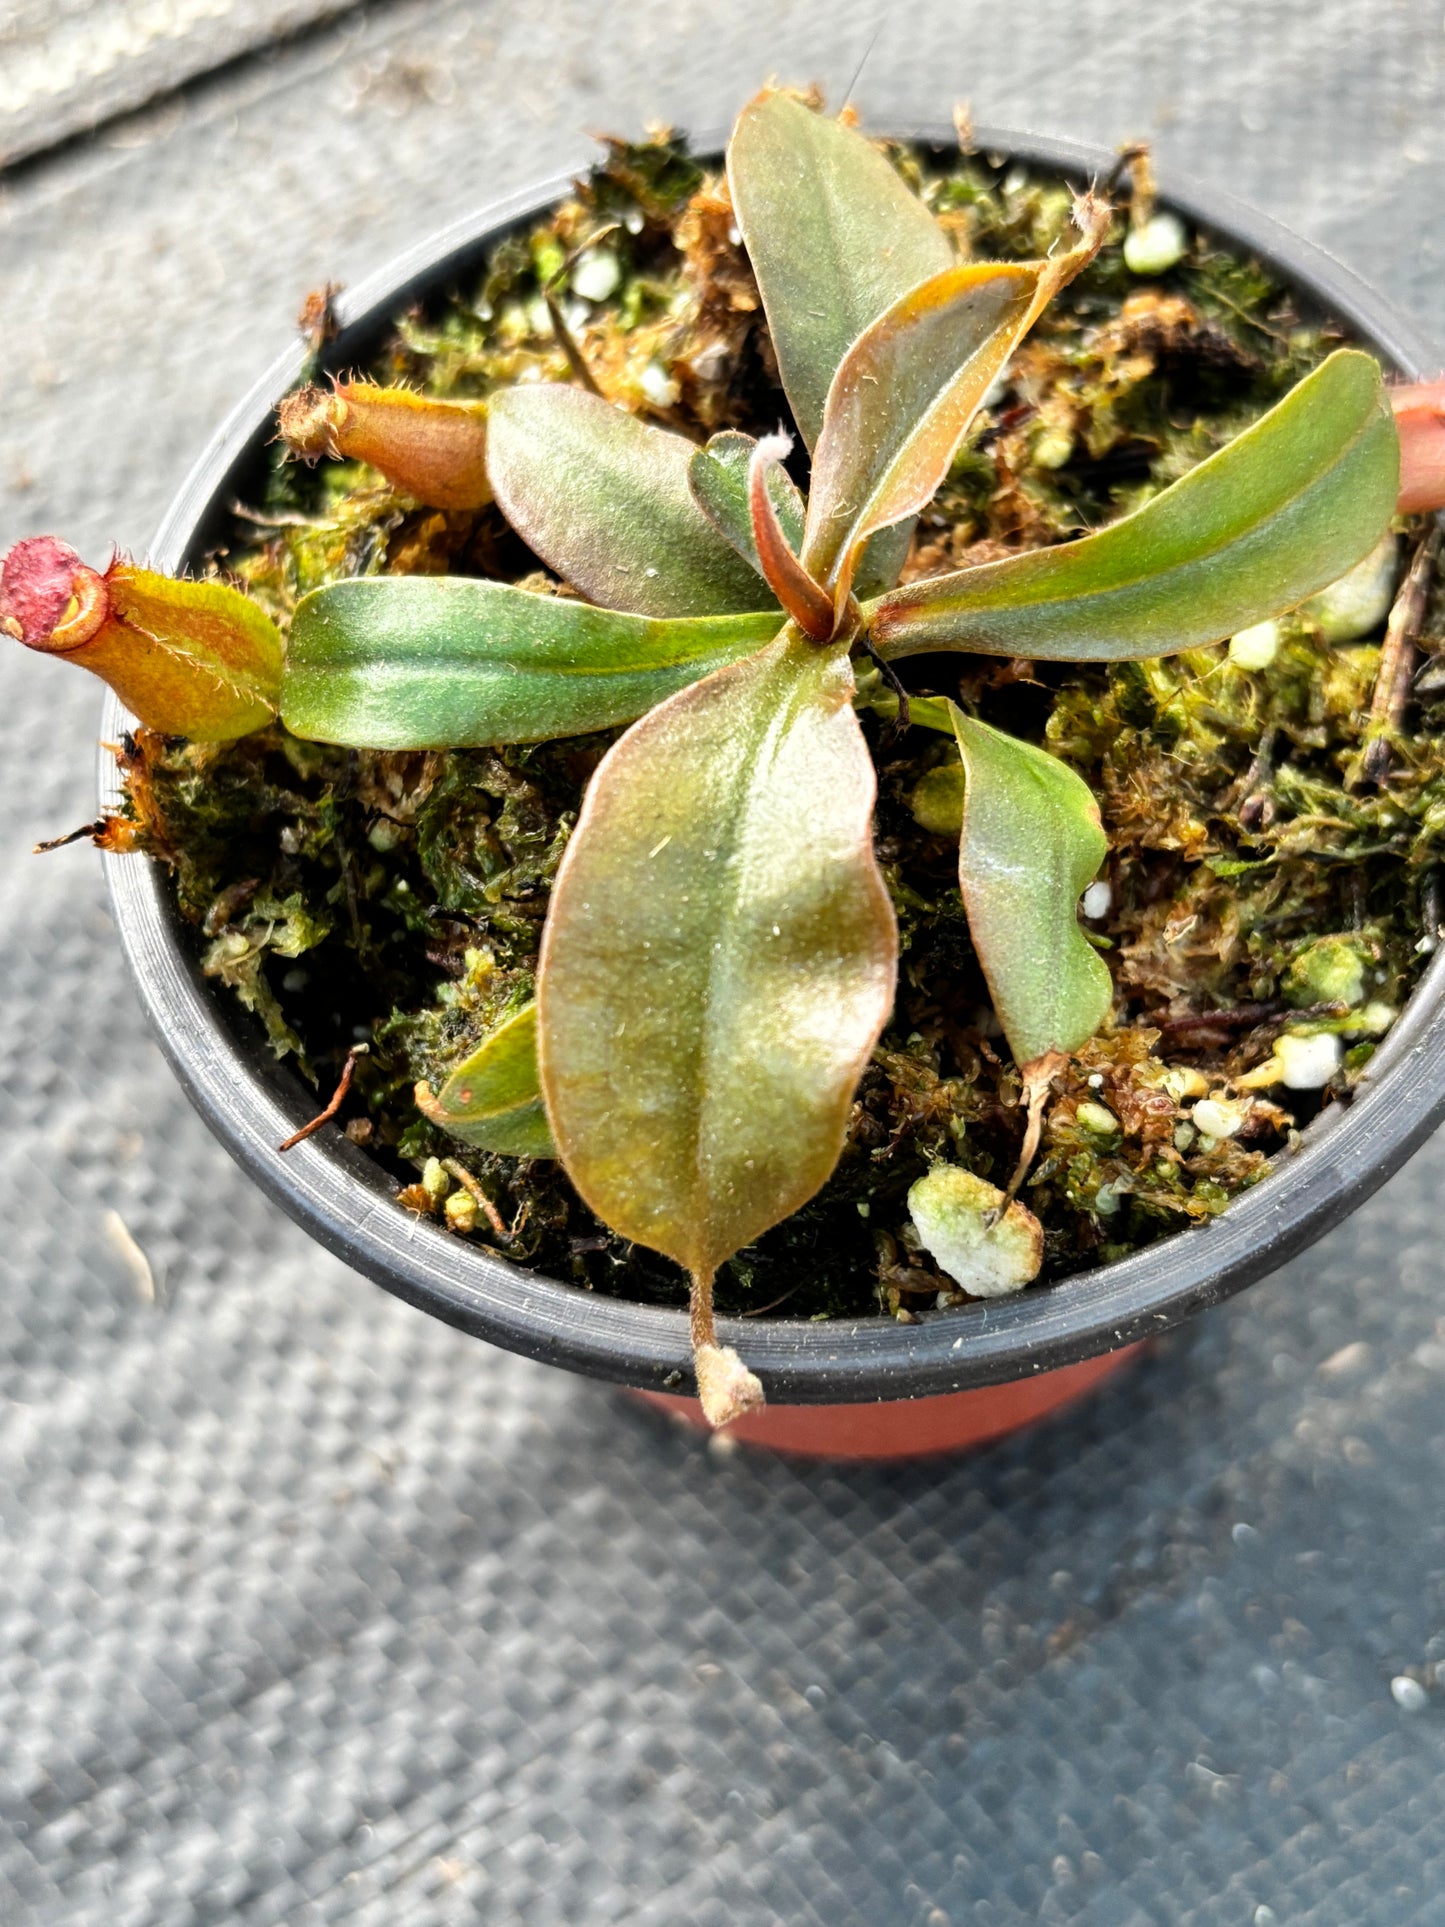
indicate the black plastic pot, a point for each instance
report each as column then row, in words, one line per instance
column 346, row 1201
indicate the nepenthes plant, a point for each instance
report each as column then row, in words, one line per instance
column 720, row 951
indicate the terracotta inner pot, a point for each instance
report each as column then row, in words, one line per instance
column 908, row 1428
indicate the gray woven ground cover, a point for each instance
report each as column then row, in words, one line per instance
column 312, row 1611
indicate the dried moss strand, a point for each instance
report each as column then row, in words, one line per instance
column 454, row 1168
column 1038, row 1081
column 1397, row 660
column 338, row 1098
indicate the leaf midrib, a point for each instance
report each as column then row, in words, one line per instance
column 781, row 715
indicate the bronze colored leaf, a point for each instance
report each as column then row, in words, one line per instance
column 908, row 388
column 833, row 234
column 719, row 958
column 718, row 475
column 604, row 500
column 719, row 478
column 806, row 601
column 901, row 402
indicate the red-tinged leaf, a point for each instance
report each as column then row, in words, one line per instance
column 805, row 600
column 718, row 477
column 604, row 500
column 434, row 450
column 718, row 960
column 833, row 234
column 908, row 388
column 186, row 658
column 1031, row 844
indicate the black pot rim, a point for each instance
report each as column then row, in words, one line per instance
column 347, row 1201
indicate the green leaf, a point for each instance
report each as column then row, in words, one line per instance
column 1031, row 845
column 908, row 388
column 493, row 1099
column 834, row 237
column 718, row 475
column 1285, row 508
column 719, row 957
column 445, row 662
column 604, row 500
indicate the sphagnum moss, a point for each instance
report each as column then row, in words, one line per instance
column 1254, row 891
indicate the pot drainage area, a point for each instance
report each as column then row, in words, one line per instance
column 316, row 1611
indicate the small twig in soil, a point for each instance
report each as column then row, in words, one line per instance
column 576, row 360
column 1397, row 662
column 483, row 1203
column 566, row 340
column 97, row 828
column 1201, row 1028
column 338, row 1097
column 1241, row 1017
column 759, row 1311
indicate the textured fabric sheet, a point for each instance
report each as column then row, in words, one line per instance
column 312, row 1611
